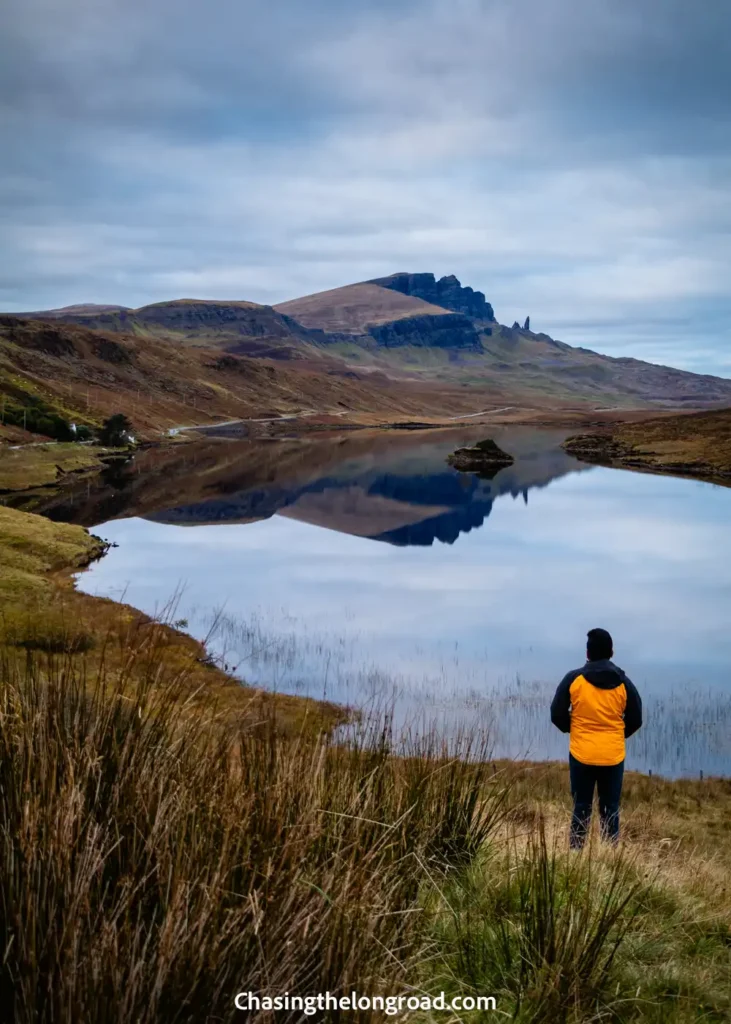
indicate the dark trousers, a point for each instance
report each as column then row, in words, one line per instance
column 608, row 781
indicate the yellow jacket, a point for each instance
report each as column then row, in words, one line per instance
column 599, row 706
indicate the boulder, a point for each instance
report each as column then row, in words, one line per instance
column 484, row 458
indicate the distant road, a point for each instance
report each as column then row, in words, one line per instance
column 172, row 431
column 314, row 412
column 483, row 412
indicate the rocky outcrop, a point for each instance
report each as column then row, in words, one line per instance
column 449, row 331
column 601, row 450
column 485, row 458
column 446, row 292
column 526, row 325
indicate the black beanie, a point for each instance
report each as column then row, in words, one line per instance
column 599, row 645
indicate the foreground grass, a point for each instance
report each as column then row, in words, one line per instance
column 637, row 934
column 156, row 858
column 152, row 865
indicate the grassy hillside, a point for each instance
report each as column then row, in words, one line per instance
column 530, row 367
column 86, row 375
column 201, row 322
column 382, row 328
column 697, row 445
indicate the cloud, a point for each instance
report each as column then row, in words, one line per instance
column 572, row 161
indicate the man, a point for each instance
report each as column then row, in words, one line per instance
column 599, row 706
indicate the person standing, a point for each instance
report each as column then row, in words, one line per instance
column 599, row 706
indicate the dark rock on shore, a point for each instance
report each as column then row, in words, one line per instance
column 485, row 458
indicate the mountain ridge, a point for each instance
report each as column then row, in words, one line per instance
column 353, row 340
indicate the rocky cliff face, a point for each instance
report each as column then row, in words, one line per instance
column 452, row 331
column 189, row 317
column 446, row 292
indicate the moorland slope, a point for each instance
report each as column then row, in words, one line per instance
column 396, row 348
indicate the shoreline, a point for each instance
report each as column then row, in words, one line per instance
column 695, row 446
column 44, row 613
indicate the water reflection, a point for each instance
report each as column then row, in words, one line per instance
column 403, row 494
column 364, row 568
column 389, row 487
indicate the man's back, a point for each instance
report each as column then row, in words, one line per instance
column 599, row 706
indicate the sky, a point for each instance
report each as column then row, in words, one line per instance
column 570, row 158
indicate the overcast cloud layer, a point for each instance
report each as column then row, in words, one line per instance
column 571, row 158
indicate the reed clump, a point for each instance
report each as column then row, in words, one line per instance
column 153, row 864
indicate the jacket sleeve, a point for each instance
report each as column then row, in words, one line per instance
column 633, row 710
column 560, row 714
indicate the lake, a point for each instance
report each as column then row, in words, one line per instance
column 361, row 568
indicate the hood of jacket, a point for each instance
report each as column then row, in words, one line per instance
column 604, row 674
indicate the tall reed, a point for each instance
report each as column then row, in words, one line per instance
column 155, row 861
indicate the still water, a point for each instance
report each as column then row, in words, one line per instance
column 365, row 570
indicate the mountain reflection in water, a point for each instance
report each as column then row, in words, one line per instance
column 390, row 495
column 470, row 609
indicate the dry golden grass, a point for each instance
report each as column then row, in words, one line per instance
column 688, row 813
column 636, row 933
column 696, row 445
column 702, row 439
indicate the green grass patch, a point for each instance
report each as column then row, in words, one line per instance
column 42, row 465
column 31, row 546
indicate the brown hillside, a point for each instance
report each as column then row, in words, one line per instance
column 78, row 308
column 396, row 327
column 236, row 326
column 352, row 309
column 85, row 375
